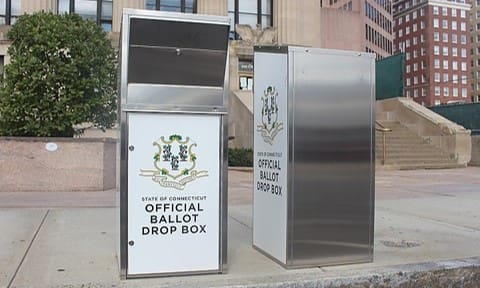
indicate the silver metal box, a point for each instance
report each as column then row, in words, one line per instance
column 314, row 161
column 173, row 148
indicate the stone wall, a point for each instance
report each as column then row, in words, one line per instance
column 240, row 117
column 75, row 165
column 475, row 161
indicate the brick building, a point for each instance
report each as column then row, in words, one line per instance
column 475, row 49
column 434, row 35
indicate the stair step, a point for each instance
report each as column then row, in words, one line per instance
column 418, row 166
column 407, row 150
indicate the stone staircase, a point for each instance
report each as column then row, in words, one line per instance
column 406, row 150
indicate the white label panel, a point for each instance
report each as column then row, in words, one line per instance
column 173, row 193
column 270, row 154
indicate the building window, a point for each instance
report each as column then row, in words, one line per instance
column 436, row 50
column 435, row 23
column 436, row 63
column 455, row 79
column 445, row 37
column 184, row 6
column 464, row 53
column 436, row 36
column 464, row 92
column 463, row 26
column 251, row 12
column 444, row 11
column 99, row 11
column 445, row 64
column 455, row 92
column 445, row 24
column 246, row 83
column 435, row 10
column 454, row 12
column 463, row 13
column 437, row 90
column 454, row 51
column 437, row 77
column 2, row 65
column 445, row 51
column 10, row 10
column 445, row 77
column 445, row 91
column 455, row 65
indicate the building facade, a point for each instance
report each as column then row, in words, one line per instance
column 306, row 22
column 310, row 23
column 376, row 18
column 475, row 49
column 433, row 34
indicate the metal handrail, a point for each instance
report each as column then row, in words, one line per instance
column 384, row 131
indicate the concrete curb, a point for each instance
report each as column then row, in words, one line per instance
column 451, row 273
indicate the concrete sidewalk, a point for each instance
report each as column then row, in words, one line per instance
column 427, row 234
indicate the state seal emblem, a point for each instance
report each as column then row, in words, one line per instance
column 174, row 163
column 270, row 126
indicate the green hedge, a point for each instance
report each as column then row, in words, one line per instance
column 240, row 157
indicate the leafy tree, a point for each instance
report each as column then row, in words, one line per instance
column 62, row 73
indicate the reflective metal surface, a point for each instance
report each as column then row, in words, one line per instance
column 331, row 168
column 332, row 193
column 178, row 34
column 194, row 82
column 175, row 95
column 176, row 66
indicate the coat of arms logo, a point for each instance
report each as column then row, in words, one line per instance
column 270, row 125
column 174, row 163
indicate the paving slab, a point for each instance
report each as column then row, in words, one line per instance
column 73, row 246
column 457, row 211
column 18, row 228
column 58, row 199
column 426, row 229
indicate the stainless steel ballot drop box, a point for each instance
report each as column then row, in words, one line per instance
column 313, row 200
column 173, row 150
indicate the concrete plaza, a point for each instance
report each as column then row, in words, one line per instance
column 427, row 234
